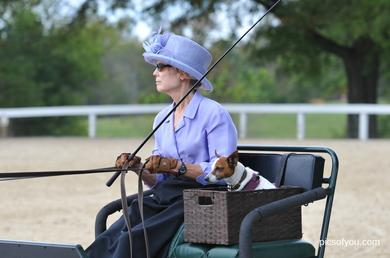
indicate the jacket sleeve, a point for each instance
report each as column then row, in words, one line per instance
column 221, row 137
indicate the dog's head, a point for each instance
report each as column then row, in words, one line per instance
column 223, row 167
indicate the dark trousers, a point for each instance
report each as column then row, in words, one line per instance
column 163, row 214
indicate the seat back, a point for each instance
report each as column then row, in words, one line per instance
column 303, row 170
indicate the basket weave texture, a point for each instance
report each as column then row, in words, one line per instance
column 213, row 216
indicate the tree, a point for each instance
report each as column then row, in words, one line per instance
column 356, row 32
column 305, row 33
column 127, row 77
column 46, row 66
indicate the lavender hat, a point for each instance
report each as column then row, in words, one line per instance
column 180, row 52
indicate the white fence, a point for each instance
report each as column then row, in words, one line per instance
column 363, row 110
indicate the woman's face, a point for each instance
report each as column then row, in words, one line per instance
column 167, row 79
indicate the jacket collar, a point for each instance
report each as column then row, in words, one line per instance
column 193, row 106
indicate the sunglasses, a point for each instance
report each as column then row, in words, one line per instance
column 160, row 66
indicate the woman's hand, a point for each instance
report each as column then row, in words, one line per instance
column 158, row 164
column 124, row 157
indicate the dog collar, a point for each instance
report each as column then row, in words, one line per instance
column 252, row 183
column 236, row 186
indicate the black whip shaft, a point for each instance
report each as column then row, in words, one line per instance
column 115, row 176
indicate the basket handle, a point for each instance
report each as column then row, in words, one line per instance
column 205, row 200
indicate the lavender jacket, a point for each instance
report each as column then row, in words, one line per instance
column 206, row 126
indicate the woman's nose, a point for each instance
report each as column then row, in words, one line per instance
column 155, row 72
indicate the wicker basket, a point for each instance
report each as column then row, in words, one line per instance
column 213, row 216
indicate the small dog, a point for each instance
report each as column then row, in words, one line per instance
column 237, row 177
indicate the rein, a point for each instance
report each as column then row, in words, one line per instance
column 9, row 176
column 125, row 208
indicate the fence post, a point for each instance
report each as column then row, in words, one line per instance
column 4, row 122
column 243, row 123
column 363, row 126
column 92, row 125
column 300, row 126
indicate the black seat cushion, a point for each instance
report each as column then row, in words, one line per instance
column 303, row 170
column 268, row 165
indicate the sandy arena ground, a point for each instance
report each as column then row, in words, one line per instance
column 63, row 209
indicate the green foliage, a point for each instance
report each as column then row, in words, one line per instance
column 40, row 67
column 126, row 76
column 328, row 83
column 54, row 126
column 313, row 37
column 384, row 126
column 237, row 79
column 18, row 62
column 249, row 86
column 152, row 96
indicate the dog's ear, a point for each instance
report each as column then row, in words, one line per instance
column 233, row 159
column 216, row 154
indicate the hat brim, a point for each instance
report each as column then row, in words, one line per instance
column 154, row 58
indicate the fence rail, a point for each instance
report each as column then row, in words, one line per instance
column 92, row 112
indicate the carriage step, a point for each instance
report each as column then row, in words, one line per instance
column 25, row 249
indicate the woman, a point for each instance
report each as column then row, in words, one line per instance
column 184, row 149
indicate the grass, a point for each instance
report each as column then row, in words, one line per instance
column 124, row 126
column 259, row 126
column 326, row 126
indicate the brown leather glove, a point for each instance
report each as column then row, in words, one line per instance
column 158, row 164
column 124, row 157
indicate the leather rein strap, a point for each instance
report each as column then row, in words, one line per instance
column 8, row 176
column 141, row 208
column 125, row 207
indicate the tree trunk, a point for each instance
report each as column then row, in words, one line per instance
column 362, row 69
column 361, row 61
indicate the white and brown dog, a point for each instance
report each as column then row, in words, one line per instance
column 236, row 175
